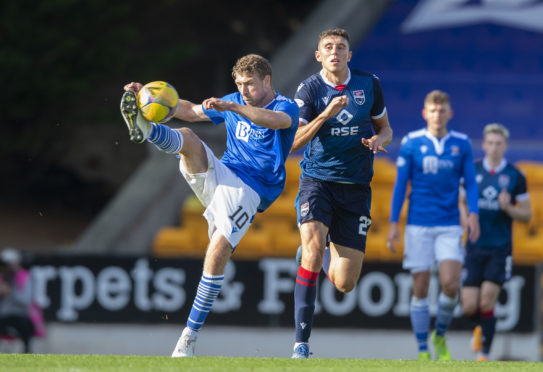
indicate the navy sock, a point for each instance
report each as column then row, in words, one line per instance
column 488, row 325
column 305, row 293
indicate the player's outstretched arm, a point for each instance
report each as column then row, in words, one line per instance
column 258, row 115
column 191, row 112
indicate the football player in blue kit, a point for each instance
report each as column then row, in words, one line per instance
column 503, row 198
column 260, row 127
column 344, row 123
column 434, row 160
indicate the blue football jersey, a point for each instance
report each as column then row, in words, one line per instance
column 257, row 154
column 336, row 153
column 496, row 225
column 435, row 167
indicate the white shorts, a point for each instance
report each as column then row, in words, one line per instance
column 425, row 245
column 230, row 203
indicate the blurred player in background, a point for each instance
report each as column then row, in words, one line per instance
column 15, row 297
column 503, row 197
column 260, row 125
column 344, row 123
column 434, row 160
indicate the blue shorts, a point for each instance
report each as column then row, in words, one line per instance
column 486, row 265
column 343, row 208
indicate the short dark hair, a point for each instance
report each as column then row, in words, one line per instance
column 252, row 64
column 335, row 32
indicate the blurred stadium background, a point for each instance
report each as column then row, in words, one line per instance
column 111, row 231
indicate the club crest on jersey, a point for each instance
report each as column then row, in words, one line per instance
column 423, row 149
column 503, row 181
column 304, row 209
column 455, row 150
column 359, row 96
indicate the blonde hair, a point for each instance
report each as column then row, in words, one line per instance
column 496, row 128
column 252, row 64
column 437, row 97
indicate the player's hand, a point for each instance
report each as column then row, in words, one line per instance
column 375, row 144
column 136, row 87
column 393, row 237
column 335, row 105
column 217, row 104
column 504, row 198
column 474, row 229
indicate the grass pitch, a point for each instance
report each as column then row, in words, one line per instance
column 115, row 363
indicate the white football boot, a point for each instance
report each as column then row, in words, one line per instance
column 186, row 343
column 138, row 127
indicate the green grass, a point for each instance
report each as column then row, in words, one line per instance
column 115, row 363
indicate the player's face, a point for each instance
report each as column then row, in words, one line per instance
column 437, row 115
column 494, row 146
column 254, row 90
column 333, row 53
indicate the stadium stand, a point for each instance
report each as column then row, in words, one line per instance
column 274, row 233
column 491, row 66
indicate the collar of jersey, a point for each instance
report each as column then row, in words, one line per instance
column 439, row 143
column 498, row 169
column 272, row 101
column 328, row 82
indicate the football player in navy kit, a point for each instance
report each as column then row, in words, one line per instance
column 344, row 123
column 503, row 197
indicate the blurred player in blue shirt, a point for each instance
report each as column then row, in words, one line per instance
column 503, row 197
column 434, row 160
column 344, row 123
column 260, row 127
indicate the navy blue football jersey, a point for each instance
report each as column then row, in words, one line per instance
column 336, row 153
column 496, row 225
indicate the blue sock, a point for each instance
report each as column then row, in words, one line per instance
column 208, row 290
column 488, row 326
column 445, row 310
column 305, row 293
column 165, row 138
column 420, row 321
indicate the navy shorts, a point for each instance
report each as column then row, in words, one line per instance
column 486, row 265
column 344, row 208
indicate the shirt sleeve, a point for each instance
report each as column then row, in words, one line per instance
column 468, row 173
column 378, row 109
column 215, row 116
column 304, row 100
column 291, row 110
column 403, row 171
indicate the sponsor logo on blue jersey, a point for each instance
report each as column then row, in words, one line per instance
column 244, row 132
column 432, row 164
